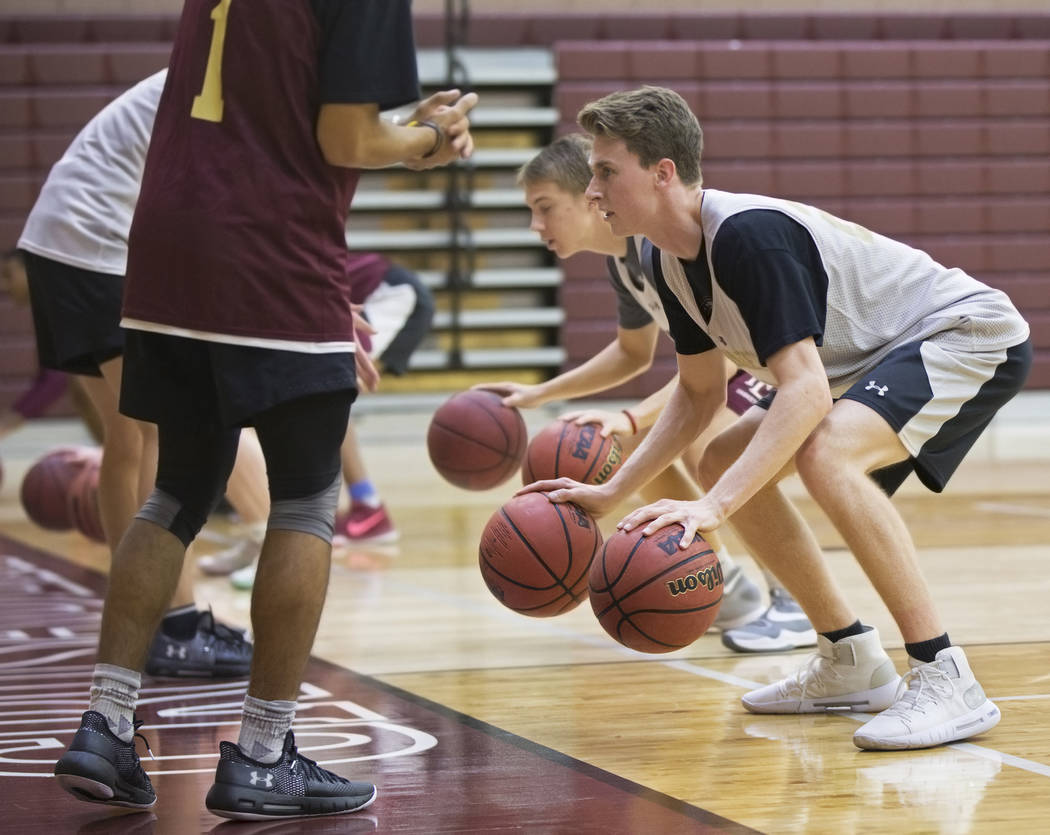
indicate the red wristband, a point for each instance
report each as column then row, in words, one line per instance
column 634, row 423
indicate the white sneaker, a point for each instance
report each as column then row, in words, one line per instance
column 854, row 673
column 741, row 600
column 244, row 578
column 937, row 702
column 228, row 560
column 781, row 627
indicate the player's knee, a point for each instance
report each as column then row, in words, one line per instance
column 820, row 455
column 718, row 456
column 313, row 514
column 168, row 512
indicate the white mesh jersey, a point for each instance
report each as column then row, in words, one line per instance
column 639, row 301
column 880, row 294
column 84, row 210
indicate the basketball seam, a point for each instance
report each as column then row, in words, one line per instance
column 534, row 553
column 457, row 433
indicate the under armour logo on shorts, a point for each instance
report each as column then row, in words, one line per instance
column 873, row 386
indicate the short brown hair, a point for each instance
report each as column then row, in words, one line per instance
column 563, row 162
column 654, row 123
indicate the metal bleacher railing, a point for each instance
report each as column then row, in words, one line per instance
column 464, row 228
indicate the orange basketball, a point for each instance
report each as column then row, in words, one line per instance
column 476, row 442
column 535, row 554
column 651, row 595
column 46, row 485
column 563, row 448
column 84, row 509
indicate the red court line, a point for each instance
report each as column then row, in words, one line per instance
column 438, row 770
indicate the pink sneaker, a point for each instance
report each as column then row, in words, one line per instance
column 365, row 523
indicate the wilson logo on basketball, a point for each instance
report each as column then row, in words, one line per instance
column 609, row 465
column 707, row 577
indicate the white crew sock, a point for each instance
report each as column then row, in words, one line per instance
column 263, row 728
column 114, row 691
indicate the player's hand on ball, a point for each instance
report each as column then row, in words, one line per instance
column 514, row 394
column 596, row 500
column 611, row 423
column 692, row 516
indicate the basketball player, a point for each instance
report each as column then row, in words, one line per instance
column 554, row 182
column 75, row 248
column 885, row 363
column 238, row 313
column 400, row 309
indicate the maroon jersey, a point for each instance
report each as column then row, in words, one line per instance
column 239, row 232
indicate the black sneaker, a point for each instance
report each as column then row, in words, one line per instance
column 292, row 787
column 215, row 651
column 99, row 767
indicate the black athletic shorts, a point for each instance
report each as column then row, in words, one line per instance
column 206, row 384
column 76, row 315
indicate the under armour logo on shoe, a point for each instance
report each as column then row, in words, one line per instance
column 873, row 386
column 267, row 780
column 176, row 652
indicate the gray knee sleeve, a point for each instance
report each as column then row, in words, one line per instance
column 311, row 514
column 165, row 510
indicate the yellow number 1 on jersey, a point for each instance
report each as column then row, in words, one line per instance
column 208, row 105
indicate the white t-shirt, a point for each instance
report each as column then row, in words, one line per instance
column 84, row 210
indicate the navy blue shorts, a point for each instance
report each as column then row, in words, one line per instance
column 938, row 401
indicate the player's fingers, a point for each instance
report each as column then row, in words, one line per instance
column 441, row 98
column 637, row 517
column 466, row 103
column 662, row 521
column 688, row 533
column 546, row 485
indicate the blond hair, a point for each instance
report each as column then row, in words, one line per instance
column 563, row 163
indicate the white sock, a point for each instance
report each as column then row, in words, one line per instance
column 263, row 728
column 114, row 691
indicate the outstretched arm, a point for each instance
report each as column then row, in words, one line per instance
column 629, row 355
column 694, row 401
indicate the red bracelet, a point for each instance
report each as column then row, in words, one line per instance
column 634, row 424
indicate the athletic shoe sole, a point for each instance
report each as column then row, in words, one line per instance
column 378, row 539
column 240, row 803
column 202, row 672
column 92, row 778
column 873, row 701
column 977, row 721
column 787, row 640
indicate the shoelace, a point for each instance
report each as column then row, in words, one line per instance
column 221, row 632
column 816, row 668
column 137, row 723
column 311, row 770
column 931, row 683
